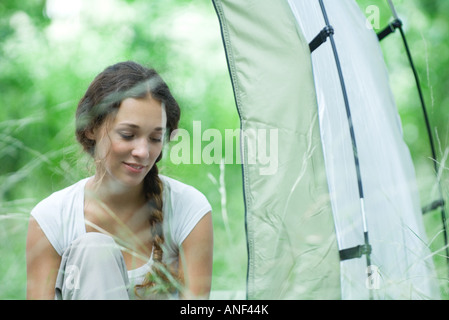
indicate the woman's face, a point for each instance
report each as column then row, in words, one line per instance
column 128, row 145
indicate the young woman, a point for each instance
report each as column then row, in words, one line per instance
column 126, row 232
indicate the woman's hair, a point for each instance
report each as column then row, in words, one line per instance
column 102, row 99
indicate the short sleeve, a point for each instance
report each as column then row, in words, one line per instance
column 61, row 216
column 45, row 213
column 189, row 207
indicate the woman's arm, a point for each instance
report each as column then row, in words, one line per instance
column 195, row 263
column 42, row 264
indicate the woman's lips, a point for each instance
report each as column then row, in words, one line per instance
column 134, row 167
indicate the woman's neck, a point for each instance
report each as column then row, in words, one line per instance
column 116, row 195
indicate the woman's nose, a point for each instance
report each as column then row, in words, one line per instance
column 141, row 149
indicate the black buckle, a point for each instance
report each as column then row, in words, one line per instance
column 434, row 205
column 395, row 24
column 355, row 252
column 321, row 38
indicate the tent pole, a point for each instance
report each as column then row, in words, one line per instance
column 366, row 247
column 393, row 9
column 440, row 202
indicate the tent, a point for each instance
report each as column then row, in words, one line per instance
column 337, row 215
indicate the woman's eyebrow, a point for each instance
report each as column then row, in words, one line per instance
column 131, row 125
column 135, row 126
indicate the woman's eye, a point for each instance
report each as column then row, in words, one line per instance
column 126, row 136
column 156, row 139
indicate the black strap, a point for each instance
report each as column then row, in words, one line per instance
column 434, row 205
column 328, row 31
column 389, row 29
column 355, row 252
column 321, row 37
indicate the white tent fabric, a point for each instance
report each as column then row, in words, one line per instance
column 392, row 206
column 292, row 247
column 301, row 215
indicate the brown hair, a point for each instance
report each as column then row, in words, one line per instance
column 103, row 98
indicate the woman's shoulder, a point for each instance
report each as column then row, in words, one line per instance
column 172, row 183
column 60, row 197
column 182, row 200
column 58, row 215
column 179, row 190
column 184, row 206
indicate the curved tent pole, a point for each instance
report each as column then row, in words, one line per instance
column 365, row 249
column 440, row 203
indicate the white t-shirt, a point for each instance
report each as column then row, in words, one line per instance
column 61, row 217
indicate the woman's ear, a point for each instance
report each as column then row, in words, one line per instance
column 91, row 134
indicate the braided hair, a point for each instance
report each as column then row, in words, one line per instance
column 103, row 98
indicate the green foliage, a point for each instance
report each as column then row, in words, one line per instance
column 425, row 25
column 48, row 56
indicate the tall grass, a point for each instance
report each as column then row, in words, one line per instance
column 39, row 154
column 66, row 166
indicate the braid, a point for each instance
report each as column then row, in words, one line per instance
column 158, row 279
